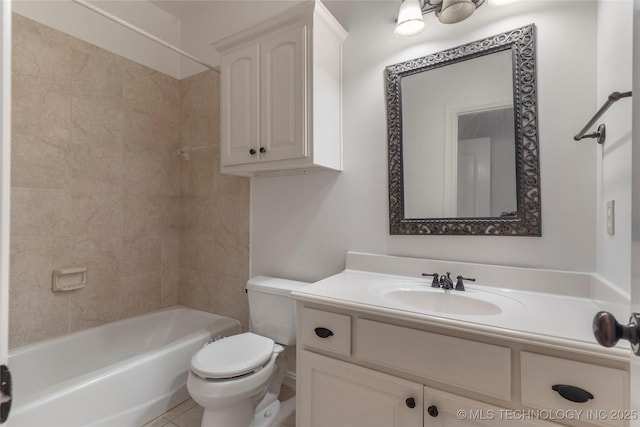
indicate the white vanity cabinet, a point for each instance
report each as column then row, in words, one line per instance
column 368, row 368
column 336, row 393
column 449, row 410
column 281, row 91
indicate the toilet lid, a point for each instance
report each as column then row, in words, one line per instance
column 232, row 356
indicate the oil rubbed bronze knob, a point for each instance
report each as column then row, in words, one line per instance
column 608, row 331
column 411, row 402
column 263, row 150
column 252, row 151
column 432, row 410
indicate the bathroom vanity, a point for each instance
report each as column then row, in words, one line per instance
column 379, row 349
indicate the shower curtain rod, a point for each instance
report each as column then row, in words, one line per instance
column 184, row 151
column 141, row 31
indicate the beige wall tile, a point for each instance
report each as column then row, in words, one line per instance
column 144, row 133
column 142, row 255
column 199, row 214
column 197, row 252
column 40, row 214
column 33, row 262
column 97, row 75
column 38, row 162
column 152, row 93
column 145, row 214
column 94, row 214
column 215, row 238
column 38, row 58
column 40, row 112
column 146, row 173
column 37, row 315
column 195, row 289
column 141, row 293
column 95, row 306
column 75, row 172
column 102, row 256
column 229, row 298
column 170, row 282
column 95, row 155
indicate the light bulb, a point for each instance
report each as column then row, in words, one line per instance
column 410, row 20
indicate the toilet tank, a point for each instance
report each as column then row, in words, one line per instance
column 271, row 311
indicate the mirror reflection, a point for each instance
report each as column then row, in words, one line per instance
column 459, row 141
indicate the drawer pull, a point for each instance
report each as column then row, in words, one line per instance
column 572, row 393
column 323, row 332
column 432, row 410
column 411, row 402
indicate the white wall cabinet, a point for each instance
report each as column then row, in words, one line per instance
column 281, row 90
column 359, row 369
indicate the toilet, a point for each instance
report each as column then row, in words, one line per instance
column 237, row 379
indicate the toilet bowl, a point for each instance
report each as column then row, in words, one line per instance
column 231, row 376
column 237, row 379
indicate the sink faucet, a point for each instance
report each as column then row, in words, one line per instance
column 445, row 282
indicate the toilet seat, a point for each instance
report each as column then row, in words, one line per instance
column 232, row 356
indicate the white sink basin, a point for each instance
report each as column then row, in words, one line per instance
column 433, row 300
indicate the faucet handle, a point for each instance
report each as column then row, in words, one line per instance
column 460, row 283
column 434, row 283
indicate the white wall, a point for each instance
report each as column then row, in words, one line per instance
column 615, row 30
column 302, row 225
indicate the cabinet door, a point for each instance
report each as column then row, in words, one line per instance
column 446, row 410
column 283, row 94
column 332, row 393
column 240, row 103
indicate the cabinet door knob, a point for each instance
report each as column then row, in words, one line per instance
column 432, row 410
column 323, row 332
column 411, row 402
column 263, row 150
column 572, row 393
column 252, row 151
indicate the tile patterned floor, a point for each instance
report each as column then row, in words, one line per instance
column 189, row 414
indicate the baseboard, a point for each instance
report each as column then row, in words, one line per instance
column 290, row 380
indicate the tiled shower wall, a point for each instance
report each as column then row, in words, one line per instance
column 97, row 182
column 214, row 243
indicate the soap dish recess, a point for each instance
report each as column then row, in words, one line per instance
column 69, row 279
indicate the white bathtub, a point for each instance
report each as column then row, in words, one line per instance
column 120, row 374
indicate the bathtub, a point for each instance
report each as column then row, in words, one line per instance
column 120, row 374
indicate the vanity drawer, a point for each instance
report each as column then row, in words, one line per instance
column 475, row 366
column 326, row 331
column 608, row 386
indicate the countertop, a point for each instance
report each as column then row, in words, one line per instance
column 559, row 321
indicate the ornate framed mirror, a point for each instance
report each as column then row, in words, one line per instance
column 463, row 140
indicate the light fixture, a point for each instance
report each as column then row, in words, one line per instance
column 409, row 19
column 447, row 11
column 455, row 11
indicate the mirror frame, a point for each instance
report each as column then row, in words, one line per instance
column 527, row 222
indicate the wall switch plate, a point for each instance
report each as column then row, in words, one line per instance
column 611, row 214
